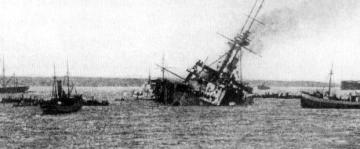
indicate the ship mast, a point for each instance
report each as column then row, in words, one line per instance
column 163, row 67
column 4, row 77
column 3, row 74
column 54, row 91
column 240, row 63
column 68, row 77
column 149, row 77
column 240, row 42
column 331, row 73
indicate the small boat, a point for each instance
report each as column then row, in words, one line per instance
column 263, row 87
column 93, row 102
column 62, row 102
column 62, row 105
column 320, row 100
column 309, row 100
column 5, row 88
column 15, row 89
column 23, row 101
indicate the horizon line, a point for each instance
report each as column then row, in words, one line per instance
column 124, row 77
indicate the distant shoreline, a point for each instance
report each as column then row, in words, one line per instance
column 136, row 82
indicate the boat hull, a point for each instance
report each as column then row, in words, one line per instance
column 20, row 89
column 61, row 106
column 59, row 109
column 179, row 94
column 309, row 101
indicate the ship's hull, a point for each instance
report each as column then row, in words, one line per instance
column 94, row 103
column 184, row 99
column 58, row 107
column 20, row 89
column 178, row 94
column 309, row 101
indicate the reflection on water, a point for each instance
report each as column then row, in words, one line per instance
column 269, row 123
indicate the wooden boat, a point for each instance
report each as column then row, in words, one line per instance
column 62, row 102
column 320, row 100
column 312, row 101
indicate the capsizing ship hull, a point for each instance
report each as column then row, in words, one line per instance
column 179, row 94
column 309, row 101
column 20, row 89
column 184, row 99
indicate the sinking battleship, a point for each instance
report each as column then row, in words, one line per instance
column 206, row 85
column 5, row 85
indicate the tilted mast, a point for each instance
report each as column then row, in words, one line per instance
column 238, row 44
column 240, row 65
column 163, row 66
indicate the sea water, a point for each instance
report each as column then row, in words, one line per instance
column 268, row 123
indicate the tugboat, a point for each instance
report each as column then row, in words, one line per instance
column 319, row 99
column 62, row 102
column 206, row 85
column 11, row 89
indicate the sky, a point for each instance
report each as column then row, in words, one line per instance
column 300, row 40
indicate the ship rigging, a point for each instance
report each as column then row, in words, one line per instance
column 210, row 86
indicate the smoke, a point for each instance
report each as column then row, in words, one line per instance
column 295, row 22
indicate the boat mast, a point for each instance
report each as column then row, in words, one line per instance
column 149, row 77
column 68, row 77
column 163, row 67
column 331, row 73
column 241, row 68
column 54, row 91
column 3, row 74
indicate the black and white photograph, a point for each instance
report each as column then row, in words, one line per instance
column 183, row 74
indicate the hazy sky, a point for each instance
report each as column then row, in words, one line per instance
column 126, row 38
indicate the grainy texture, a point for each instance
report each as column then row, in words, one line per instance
column 269, row 123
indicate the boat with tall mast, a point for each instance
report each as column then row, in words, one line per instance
column 62, row 101
column 328, row 99
column 6, row 83
column 208, row 85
